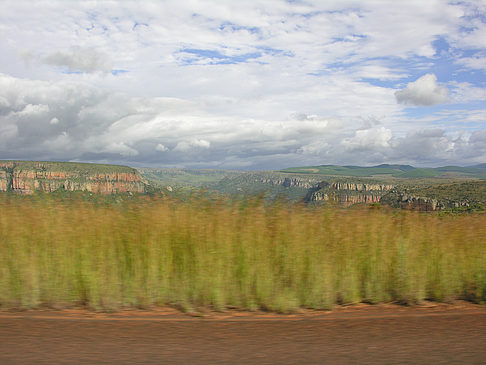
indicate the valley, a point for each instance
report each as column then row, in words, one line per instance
column 397, row 186
column 449, row 188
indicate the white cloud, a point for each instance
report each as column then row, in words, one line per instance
column 380, row 72
column 426, row 146
column 476, row 62
column 119, row 148
column 184, row 146
column 79, row 59
column 212, row 83
column 423, row 91
column 463, row 92
column 368, row 139
column 102, row 126
column 161, row 148
column 37, row 109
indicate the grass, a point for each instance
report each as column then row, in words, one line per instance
column 143, row 251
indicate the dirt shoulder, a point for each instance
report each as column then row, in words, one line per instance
column 167, row 313
column 380, row 334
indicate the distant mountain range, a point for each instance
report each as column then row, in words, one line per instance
column 397, row 171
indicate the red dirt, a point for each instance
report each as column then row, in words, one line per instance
column 382, row 334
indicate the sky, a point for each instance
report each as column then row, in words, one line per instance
column 248, row 85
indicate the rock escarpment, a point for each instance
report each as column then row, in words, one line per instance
column 348, row 193
column 26, row 177
column 434, row 196
column 289, row 182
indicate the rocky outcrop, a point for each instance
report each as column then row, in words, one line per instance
column 398, row 199
column 362, row 187
column 348, row 193
column 26, row 177
column 288, row 182
column 345, row 199
column 410, row 200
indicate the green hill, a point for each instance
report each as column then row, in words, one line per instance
column 397, row 171
column 356, row 171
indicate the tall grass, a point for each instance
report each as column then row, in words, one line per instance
column 203, row 253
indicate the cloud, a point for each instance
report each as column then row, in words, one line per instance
column 422, row 92
column 477, row 62
column 119, row 148
column 368, row 139
column 185, row 146
column 259, row 84
column 78, row 59
column 463, row 92
column 426, row 146
column 161, row 148
column 32, row 110
column 70, row 121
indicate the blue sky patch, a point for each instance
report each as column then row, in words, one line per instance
column 118, row 72
column 215, row 57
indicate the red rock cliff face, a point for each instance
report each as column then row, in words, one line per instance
column 15, row 177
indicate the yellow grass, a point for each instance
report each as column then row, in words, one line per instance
column 156, row 251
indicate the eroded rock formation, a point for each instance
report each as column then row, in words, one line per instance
column 348, row 193
column 25, row 177
column 421, row 197
column 288, row 182
column 405, row 199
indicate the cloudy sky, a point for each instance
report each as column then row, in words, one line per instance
column 244, row 84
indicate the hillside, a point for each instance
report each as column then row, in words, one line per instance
column 397, row 171
column 270, row 184
column 400, row 186
column 26, row 177
column 455, row 195
column 192, row 178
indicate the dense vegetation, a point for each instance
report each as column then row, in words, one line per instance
column 140, row 251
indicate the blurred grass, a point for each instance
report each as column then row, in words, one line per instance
column 217, row 253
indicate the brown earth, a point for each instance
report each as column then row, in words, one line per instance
column 382, row 334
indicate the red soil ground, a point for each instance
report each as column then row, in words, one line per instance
column 381, row 334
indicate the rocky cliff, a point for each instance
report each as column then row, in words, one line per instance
column 348, row 193
column 405, row 195
column 289, row 182
column 25, row 177
column 361, row 187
